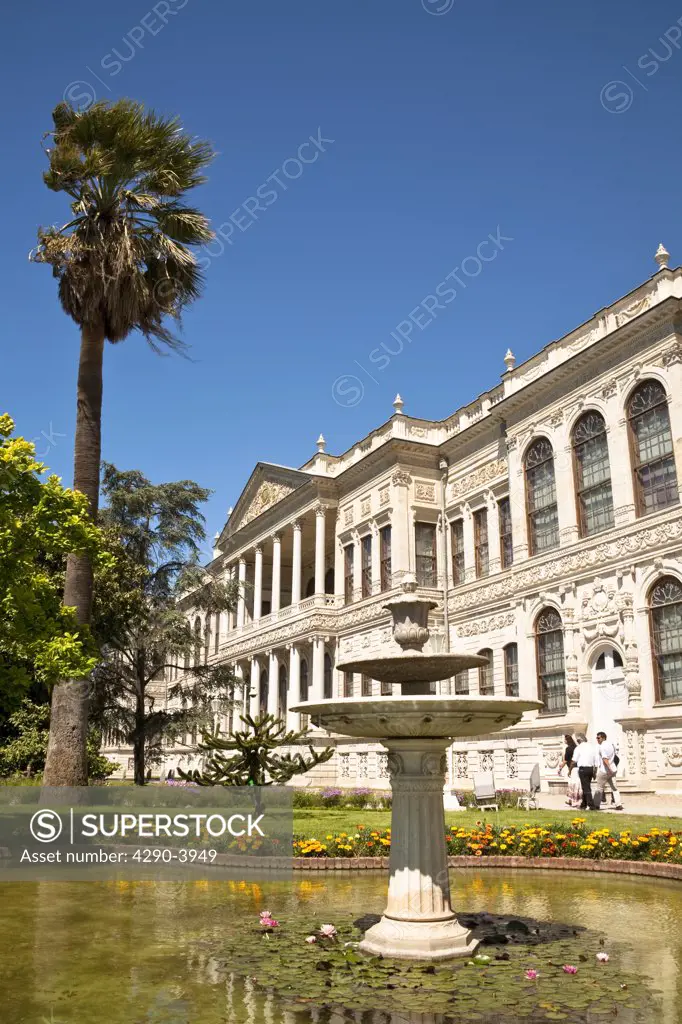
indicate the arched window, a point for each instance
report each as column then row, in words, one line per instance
column 511, row 670
column 549, row 637
column 541, row 504
column 282, row 692
column 310, row 587
column 329, row 581
column 486, row 687
column 304, row 681
column 462, row 682
column 651, row 443
column 665, row 617
column 592, row 474
column 327, row 686
column 608, row 660
column 263, row 701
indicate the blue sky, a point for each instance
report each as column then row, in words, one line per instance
column 450, row 121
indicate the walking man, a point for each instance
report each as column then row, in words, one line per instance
column 586, row 759
column 606, row 772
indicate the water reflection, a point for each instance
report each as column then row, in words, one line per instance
column 145, row 953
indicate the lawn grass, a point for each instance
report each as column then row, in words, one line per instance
column 312, row 823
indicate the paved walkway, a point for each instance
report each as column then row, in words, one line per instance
column 662, row 806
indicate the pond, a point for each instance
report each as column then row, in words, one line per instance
column 178, row 953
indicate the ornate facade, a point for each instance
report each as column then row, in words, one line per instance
column 544, row 518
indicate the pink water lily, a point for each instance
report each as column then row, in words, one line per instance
column 570, row 969
column 531, row 975
column 267, row 921
column 328, row 931
column 311, row 939
column 603, row 958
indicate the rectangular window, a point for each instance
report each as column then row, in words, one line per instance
column 486, row 685
column 366, row 561
column 550, row 654
column 366, row 686
column 348, row 684
column 348, row 558
column 511, row 670
column 481, row 549
column 457, row 537
column 385, row 553
column 387, row 689
column 462, row 682
column 506, row 543
column 425, row 554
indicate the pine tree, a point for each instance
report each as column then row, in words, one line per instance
column 254, row 761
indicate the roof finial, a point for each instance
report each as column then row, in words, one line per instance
column 229, row 512
column 398, row 405
column 509, row 360
column 662, row 256
column 321, row 444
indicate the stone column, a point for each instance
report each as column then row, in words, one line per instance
column 469, row 547
column 317, row 688
column 254, row 688
column 276, row 571
column 517, row 501
column 376, row 559
column 258, row 585
column 294, row 696
column 401, row 525
column 357, row 567
column 494, row 553
column 296, row 566
column 339, row 571
column 320, row 523
column 231, row 615
column 620, row 461
column 418, row 922
column 241, row 600
column 240, row 687
column 565, row 493
column 273, row 683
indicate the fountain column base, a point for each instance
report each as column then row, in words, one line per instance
column 418, row 922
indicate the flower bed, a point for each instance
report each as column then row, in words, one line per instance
column 576, row 840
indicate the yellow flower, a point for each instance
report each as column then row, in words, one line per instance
column 503, row 846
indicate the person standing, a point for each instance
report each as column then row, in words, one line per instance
column 606, row 771
column 586, row 760
column 568, row 753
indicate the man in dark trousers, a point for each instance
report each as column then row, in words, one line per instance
column 586, row 759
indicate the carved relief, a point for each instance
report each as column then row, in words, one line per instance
column 425, row 491
column 486, row 760
column 642, row 754
column 486, row 625
column 632, row 760
column 417, row 431
column 384, row 496
column 565, row 566
column 479, row 478
column 512, row 764
column 461, row 764
column 552, row 758
column 433, row 764
column 609, row 389
column 365, row 506
column 395, row 765
column 348, row 516
column 601, row 613
column 672, row 355
column 584, row 340
column 673, row 756
column 267, row 495
column 401, row 479
column 633, row 310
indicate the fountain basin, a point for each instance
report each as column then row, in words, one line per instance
column 423, row 716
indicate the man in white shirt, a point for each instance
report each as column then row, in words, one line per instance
column 586, row 759
column 606, row 772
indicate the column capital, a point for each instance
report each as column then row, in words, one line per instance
column 321, row 509
column 401, row 479
column 297, row 525
column 242, row 560
column 275, row 538
column 258, row 549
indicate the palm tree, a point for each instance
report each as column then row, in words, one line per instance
column 124, row 262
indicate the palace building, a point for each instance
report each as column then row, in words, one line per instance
column 544, row 518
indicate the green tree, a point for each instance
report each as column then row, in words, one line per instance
column 124, row 262
column 25, row 749
column 249, row 758
column 141, row 616
column 41, row 641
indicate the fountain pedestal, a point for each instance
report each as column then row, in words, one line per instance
column 418, row 922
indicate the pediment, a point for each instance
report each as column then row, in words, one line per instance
column 267, row 486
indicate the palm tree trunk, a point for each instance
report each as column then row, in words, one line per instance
column 66, row 763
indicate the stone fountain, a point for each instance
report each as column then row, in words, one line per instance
column 416, row 728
